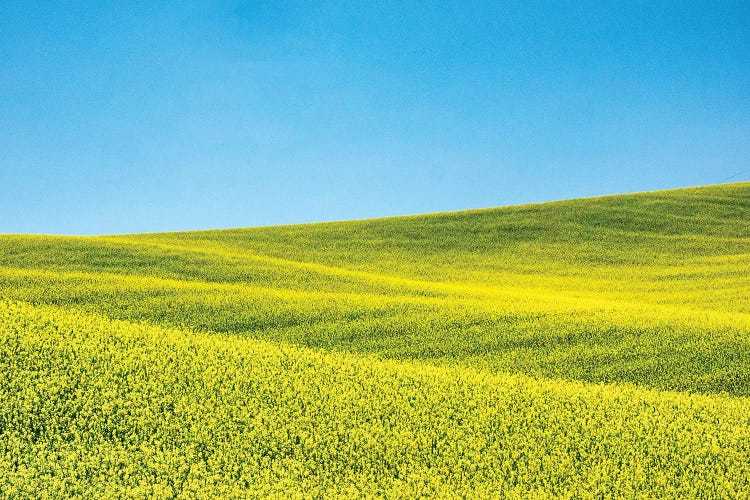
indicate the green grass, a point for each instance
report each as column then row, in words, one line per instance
column 561, row 349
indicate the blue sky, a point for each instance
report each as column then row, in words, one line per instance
column 149, row 116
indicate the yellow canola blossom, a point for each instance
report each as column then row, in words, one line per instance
column 594, row 348
column 100, row 408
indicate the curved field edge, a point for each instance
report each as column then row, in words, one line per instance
column 93, row 407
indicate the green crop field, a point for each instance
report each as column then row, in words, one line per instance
column 594, row 348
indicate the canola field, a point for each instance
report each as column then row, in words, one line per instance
column 595, row 348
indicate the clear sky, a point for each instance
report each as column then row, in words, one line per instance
column 150, row 116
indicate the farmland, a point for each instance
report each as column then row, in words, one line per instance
column 584, row 348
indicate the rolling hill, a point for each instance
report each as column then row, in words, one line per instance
column 585, row 348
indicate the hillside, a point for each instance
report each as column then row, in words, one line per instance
column 569, row 348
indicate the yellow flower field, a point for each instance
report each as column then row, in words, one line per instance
column 595, row 348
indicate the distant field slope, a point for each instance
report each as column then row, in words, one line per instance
column 579, row 348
